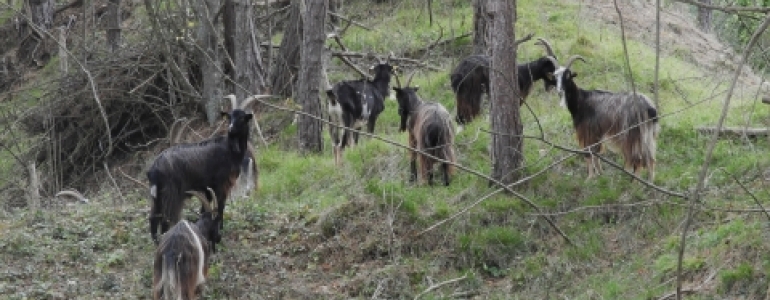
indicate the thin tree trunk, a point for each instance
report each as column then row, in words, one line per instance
column 287, row 61
column 506, row 147
column 704, row 16
column 113, row 25
column 208, row 57
column 229, row 21
column 310, row 138
column 480, row 27
column 250, row 72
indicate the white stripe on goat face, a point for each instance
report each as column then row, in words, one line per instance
column 559, row 74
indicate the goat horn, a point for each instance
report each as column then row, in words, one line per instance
column 398, row 82
column 573, row 59
column 73, row 193
column 409, row 81
column 208, row 206
column 547, row 45
column 251, row 99
column 233, row 101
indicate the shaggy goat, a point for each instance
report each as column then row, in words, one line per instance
column 430, row 130
column 215, row 163
column 627, row 121
column 470, row 79
column 355, row 103
column 181, row 260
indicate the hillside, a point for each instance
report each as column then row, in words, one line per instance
column 362, row 231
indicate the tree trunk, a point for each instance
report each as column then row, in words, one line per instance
column 704, row 17
column 113, row 25
column 480, row 25
column 250, row 72
column 229, row 21
column 34, row 47
column 287, row 61
column 310, row 138
column 505, row 121
column 208, row 57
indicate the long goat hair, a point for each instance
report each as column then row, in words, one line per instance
column 181, row 260
column 214, row 163
column 430, row 130
column 470, row 80
column 355, row 103
column 628, row 122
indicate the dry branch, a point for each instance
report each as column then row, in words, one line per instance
column 727, row 9
column 372, row 55
column 734, row 131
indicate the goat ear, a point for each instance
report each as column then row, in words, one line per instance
column 416, row 88
column 224, row 115
column 574, row 74
column 330, row 93
column 248, row 117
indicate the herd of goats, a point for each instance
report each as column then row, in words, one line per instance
column 208, row 169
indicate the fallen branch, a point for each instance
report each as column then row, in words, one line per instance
column 350, row 21
column 438, row 285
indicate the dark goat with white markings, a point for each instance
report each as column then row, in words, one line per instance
column 627, row 122
column 430, row 130
column 355, row 103
column 470, row 80
column 182, row 258
column 214, row 163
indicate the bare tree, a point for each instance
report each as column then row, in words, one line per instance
column 113, row 25
column 505, row 121
column 479, row 27
column 249, row 73
column 310, row 138
column 208, row 56
column 704, row 16
column 287, row 62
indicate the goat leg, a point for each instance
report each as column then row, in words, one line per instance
column 445, row 170
column 413, row 167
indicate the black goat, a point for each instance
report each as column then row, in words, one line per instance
column 214, row 162
column 430, row 130
column 470, row 80
column 355, row 103
column 181, row 260
column 628, row 122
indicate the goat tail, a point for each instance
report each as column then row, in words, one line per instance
column 168, row 286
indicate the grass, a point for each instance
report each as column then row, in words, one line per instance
column 316, row 229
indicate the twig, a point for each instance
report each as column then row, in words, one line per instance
column 625, row 47
column 754, row 197
column 438, row 285
column 115, row 183
column 727, row 9
column 709, row 154
column 134, row 180
column 350, row 21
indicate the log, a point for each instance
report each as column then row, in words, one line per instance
column 735, row 131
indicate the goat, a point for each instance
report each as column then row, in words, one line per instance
column 181, row 260
column 430, row 131
column 628, row 122
column 214, row 162
column 355, row 103
column 470, row 79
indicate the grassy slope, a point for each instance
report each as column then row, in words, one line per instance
column 315, row 229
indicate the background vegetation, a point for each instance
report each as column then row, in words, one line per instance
column 314, row 229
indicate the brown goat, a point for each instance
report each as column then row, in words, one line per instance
column 430, row 131
column 181, row 260
column 627, row 122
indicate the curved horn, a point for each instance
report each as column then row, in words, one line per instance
column 398, row 82
column 208, row 206
column 233, row 101
column 72, row 193
column 547, row 45
column 573, row 59
column 251, row 99
column 409, row 81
